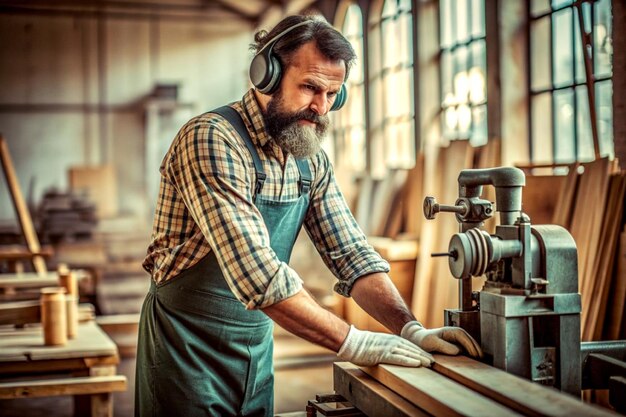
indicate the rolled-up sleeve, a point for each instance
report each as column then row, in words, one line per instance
column 208, row 168
column 335, row 233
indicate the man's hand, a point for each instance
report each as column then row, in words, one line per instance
column 444, row 339
column 370, row 348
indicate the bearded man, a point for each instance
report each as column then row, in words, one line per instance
column 237, row 184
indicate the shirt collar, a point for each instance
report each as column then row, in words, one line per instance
column 250, row 110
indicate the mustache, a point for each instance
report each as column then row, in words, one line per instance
column 308, row 115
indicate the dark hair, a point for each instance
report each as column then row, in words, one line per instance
column 331, row 43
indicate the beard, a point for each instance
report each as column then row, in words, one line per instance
column 301, row 141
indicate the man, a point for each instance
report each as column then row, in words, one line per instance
column 230, row 207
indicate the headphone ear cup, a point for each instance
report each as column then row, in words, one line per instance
column 340, row 100
column 274, row 74
column 264, row 70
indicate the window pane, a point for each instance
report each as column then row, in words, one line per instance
column 461, row 82
column 564, row 150
column 540, row 54
column 604, row 105
column 406, row 38
column 445, row 17
column 461, row 14
column 375, row 46
column 603, row 38
column 389, row 8
column 476, row 75
column 538, row 7
column 447, row 91
column 478, row 18
column 353, row 24
column 479, row 126
column 391, row 45
column 583, row 125
column 376, row 102
column 356, row 148
column 559, row 3
column 541, row 109
column 562, row 47
column 579, row 59
column 399, row 145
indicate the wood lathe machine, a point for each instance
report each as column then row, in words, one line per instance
column 526, row 317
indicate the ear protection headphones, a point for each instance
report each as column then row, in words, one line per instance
column 265, row 70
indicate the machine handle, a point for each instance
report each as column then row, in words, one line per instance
column 431, row 208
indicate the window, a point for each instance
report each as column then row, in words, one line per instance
column 349, row 132
column 392, row 125
column 463, row 70
column 560, row 119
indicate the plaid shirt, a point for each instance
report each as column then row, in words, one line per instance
column 205, row 204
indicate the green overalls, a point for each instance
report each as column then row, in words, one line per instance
column 200, row 352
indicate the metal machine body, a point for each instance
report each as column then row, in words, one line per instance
column 527, row 315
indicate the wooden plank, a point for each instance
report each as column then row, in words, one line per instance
column 435, row 289
column 586, row 225
column 23, row 215
column 368, row 395
column 522, row 395
column 62, row 386
column 567, row 195
column 384, row 199
column 434, row 393
column 27, row 312
column 28, row 280
column 604, row 261
column 617, row 303
column 414, row 197
column 539, row 199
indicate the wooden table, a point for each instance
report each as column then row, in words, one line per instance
column 91, row 353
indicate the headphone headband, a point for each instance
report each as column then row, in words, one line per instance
column 265, row 68
column 275, row 39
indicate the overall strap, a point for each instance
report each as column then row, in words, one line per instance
column 234, row 118
column 306, row 179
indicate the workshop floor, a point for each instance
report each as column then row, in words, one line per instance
column 296, row 382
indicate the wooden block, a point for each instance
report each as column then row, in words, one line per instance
column 519, row 394
column 369, row 396
column 99, row 184
column 434, row 393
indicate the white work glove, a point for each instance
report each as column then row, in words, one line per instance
column 370, row 348
column 444, row 339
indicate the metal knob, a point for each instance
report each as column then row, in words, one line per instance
column 431, row 208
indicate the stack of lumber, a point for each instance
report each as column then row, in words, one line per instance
column 591, row 206
column 454, row 386
column 66, row 216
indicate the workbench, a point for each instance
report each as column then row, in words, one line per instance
column 84, row 367
column 454, row 386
